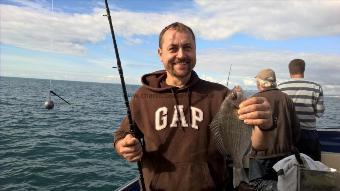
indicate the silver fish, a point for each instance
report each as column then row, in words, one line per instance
column 231, row 135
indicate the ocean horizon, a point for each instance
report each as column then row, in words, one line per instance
column 253, row 89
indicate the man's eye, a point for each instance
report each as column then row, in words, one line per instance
column 172, row 49
column 187, row 48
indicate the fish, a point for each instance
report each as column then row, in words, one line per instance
column 231, row 135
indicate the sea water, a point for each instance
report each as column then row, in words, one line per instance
column 70, row 146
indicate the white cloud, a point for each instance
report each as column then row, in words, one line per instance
column 222, row 19
column 209, row 78
column 269, row 19
column 246, row 63
column 34, row 26
column 249, row 82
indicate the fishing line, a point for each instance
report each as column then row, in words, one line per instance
column 49, row 93
column 49, row 103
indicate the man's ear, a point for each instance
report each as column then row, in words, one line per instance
column 159, row 52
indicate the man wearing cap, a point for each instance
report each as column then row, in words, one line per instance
column 286, row 130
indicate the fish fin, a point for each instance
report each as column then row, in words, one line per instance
column 216, row 133
column 239, row 176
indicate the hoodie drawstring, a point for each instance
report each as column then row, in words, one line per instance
column 179, row 122
column 176, row 105
column 189, row 108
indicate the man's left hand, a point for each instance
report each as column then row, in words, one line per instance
column 256, row 111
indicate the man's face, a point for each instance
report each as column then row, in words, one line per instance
column 178, row 53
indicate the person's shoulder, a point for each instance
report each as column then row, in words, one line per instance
column 299, row 81
column 288, row 82
column 269, row 93
column 314, row 83
column 284, row 95
column 306, row 81
column 314, row 86
column 141, row 90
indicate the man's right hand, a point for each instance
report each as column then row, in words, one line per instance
column 129, row 148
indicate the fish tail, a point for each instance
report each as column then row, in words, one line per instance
column 239, row 176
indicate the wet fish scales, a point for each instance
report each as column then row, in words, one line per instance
column 231, row 135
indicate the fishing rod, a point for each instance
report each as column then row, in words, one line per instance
column 229, row 74
column 52, row 92
column 126, row 99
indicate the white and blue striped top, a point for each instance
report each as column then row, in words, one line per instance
column 308, row 100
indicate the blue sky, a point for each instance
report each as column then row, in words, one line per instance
column 70, row 40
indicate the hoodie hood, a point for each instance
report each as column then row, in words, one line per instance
column 156, row 81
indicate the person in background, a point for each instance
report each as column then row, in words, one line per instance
column 285, row 134
column 172, row 110
column 308, row 100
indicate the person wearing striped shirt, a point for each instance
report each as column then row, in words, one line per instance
column 309, row 104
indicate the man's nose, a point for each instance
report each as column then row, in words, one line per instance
column 180, row 53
